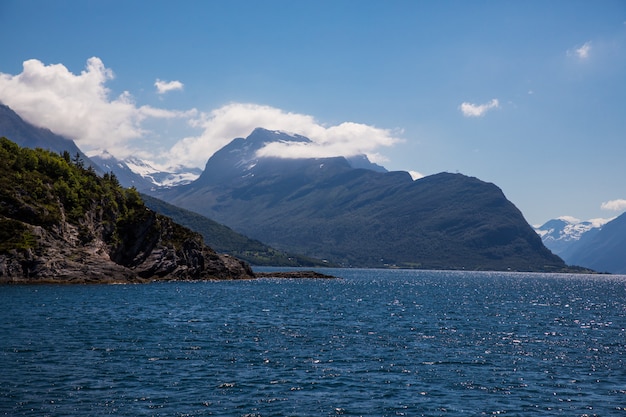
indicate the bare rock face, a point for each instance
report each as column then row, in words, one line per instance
column 148, row 252
column 158, row 248
column 57, row 260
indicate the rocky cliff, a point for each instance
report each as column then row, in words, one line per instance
column 60, row 222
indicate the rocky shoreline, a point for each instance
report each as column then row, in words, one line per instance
column 108, row 276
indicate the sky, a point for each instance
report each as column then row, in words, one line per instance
column 530, row 96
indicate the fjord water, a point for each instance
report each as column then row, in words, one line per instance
column 374, row 343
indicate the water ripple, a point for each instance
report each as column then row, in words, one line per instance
column 375, row 343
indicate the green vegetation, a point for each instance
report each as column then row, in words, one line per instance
column 60, row 222
column 41, row 188
column 15, row 235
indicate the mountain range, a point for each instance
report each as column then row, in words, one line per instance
column 225, row 239
column 346, row 211
column 327, row 208
column 596, row 244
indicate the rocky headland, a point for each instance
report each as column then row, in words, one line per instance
column 62, row 223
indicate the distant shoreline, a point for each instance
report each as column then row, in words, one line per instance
column 294, row 274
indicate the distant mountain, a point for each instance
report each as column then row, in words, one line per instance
column 239, row 159
column 562, row 234
column 13, row 127
column 174, row 176
column 361, row 161
column 327, row 209
column 133, row 172
column 596, row 244
column 225, row 240
column 604, row 251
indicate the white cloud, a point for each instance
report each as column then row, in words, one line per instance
column 582, row 52
column 478, row 110
column 599, row 222
column 614, row 205
column 78, row 106
column 222, row 125
column 167, row 86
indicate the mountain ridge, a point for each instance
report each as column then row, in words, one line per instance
column 134, row 172
column 599, row 244
column 30, row 136
column 315, row 187
column 604, row 251
column 224, row 240
column 327, row 209
column 561, row 234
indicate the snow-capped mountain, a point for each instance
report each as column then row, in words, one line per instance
column 347, row 211
column 178, row 175
column 599, row 244
column 240, row 157
column 134, row 172
column 604, row 251
column 560, row 233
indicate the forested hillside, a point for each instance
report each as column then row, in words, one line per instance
column 61, row 222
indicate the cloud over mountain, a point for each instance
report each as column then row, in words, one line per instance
column 83, row 108
column 78, row 106
column 233, row 120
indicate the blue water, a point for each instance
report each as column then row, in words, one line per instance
column 375, row 343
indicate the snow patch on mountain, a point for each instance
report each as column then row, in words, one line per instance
column 568, row 228
column 170, row 177
column 562, row 235
column 135, row 172
column 138, row 166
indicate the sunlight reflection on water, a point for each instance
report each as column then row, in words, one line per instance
column 376, row 342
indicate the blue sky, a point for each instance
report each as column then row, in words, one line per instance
column 528, row 95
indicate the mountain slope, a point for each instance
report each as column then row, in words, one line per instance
column 225, row 240
column 60, row 222
column 133, row 172
column 562, row 235
column 26, row 135
column 327, row 209
column 599, row 244
column 603, row 251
